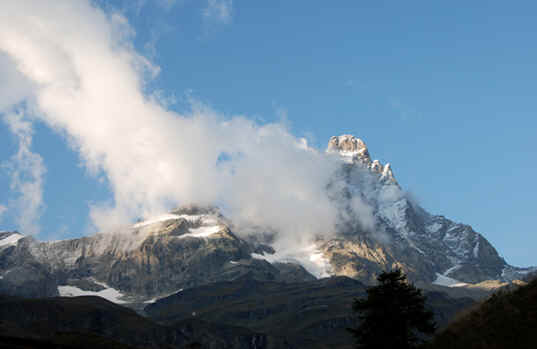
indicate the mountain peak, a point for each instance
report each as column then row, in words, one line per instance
column 349, row 146
column 355, row 150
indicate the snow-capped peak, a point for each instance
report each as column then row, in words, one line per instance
column 348, row 146
column 354, row 150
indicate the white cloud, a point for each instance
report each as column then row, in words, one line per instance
column 89, row 86
column 14, row 87
column 27, row 175
column 3, row 210
column 219, row 11
column 87, row 83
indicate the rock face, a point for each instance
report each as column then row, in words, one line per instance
column 20, row 272
column 183, row 249
column 348, row 145
column 379, row 228
column 354, row 150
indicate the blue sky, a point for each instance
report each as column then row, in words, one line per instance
column 445, row 92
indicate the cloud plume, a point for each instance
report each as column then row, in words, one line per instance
column 85, row 80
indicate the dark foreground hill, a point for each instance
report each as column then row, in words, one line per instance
column 314, row 314
column 93, row 322
column 508, row 319
column 242, row 314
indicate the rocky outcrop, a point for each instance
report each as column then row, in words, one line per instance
column 354, row 150
column 349, row 146
column 20, row 272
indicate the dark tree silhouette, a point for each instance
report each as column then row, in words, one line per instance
column 393, row 316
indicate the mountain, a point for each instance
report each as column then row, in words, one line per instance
column 186, row 248
column 398, row 232
column 428, row 247
column 379, row 227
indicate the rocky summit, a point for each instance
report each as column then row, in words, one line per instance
column 353, row 150
column 379, row 228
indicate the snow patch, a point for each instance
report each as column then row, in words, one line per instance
column 202, row 232
column 205, row 219
column 108, row 293
column 476, row 249
column 433, row 228
column 443, row 280
column 351, row 154
column 153, row 300
column 309, row 257
column 452, row 269
column 11, row 240
column 453, row 227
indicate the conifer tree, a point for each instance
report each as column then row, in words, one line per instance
column 393, row 316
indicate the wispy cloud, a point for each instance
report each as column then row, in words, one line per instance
column 220, row 11
column 27, row 172
column 3, row 210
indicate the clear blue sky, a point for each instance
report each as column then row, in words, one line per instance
column 444, row 91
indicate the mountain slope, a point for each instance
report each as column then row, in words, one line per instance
column 506, row 320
